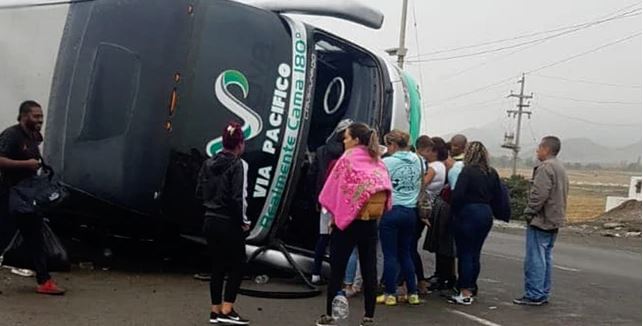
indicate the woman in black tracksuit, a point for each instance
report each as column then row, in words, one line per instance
column 221, row 186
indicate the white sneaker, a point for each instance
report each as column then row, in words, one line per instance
column 22, row 272
column 461, row 299
column 315, row 279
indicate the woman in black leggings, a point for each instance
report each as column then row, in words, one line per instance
column 221, row 187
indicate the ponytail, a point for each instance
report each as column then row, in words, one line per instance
column 367, row 137
column 374, row 144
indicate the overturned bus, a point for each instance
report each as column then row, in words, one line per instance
column 142, row 89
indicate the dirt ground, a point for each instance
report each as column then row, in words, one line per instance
column 589, row 190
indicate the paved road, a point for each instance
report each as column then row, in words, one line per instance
column 594, row 284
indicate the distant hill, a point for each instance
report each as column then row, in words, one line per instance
column 575, row 150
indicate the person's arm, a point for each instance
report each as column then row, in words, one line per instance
column 430, row 174
column 540, row 190
column 236, row 189
column 200, row 181
column 458, row 194
column 9, row 143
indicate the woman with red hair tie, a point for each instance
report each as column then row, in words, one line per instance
column 221, row 187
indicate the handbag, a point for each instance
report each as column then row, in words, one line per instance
column 425, row 199
column 501, row 202
column 37, row 194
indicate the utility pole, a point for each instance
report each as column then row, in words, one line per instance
column 401, row 50
column 513, row 141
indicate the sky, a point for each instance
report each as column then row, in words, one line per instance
column 590, row 95
column 570, row 99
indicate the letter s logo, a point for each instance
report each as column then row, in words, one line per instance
column 252, row 123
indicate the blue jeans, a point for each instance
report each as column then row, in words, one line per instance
column 471, row 227
column 351, row 268
column 538, row 263
column 397, row 235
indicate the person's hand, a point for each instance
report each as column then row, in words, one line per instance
column 32, row 164
column 245, row 227
column 426, row 221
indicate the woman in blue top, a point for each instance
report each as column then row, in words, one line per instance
column 397, row 227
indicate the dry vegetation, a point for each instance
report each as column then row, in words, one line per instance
column 588, row 190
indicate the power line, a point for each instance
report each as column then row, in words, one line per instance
column 504, row 81
column 38, row 3
column 486, row 103
column 585, row 53
column 586, row 81
column 588, row 121
column 589, row 101
column 566, row 30
column 522, row 36
column 496, row 84
column 538, row 41
column 417, row 44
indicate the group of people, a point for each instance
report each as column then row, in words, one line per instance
column 369, row 197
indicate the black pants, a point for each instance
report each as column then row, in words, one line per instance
column 445, row 269
column 30, row 227
column 227, row 249
column 362, row 234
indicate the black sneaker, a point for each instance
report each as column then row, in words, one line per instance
column 214, row 317
column 326, row 320
column 367, row 322
column 232, row 318
column 524, row 301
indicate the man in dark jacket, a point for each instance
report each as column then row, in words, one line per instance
column 20, row 160
column 546, row 214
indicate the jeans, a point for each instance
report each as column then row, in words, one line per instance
column 538, row 262
column 362, row 234
column 471, row 227
column 351, row 268
column 397, row 235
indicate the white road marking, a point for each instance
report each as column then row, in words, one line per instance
column 568, row 269
column 473, row 318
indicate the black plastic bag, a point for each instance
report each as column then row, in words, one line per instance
column 17, row 254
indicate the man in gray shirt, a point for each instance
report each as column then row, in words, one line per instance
column 545, row 215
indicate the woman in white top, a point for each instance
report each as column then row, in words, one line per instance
column 434, row 151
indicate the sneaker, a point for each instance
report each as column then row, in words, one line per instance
column 202, row 276
column 423, row 287
column 414, row 299
column 214, row 317
column 524, row 301
column 51, row 288
column 367, row 322
column 350, row 291
column 232, row 318
column 326, row 320
column 461, row 299
column 389, row 300
column 317, row 280
column 22, row 272
column 402, row 298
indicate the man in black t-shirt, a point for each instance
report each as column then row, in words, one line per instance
column 20, row 159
